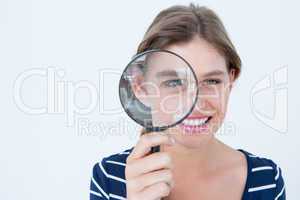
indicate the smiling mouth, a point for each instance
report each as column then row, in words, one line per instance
column 195, row 124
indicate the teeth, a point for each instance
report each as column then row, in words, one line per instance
column 195, row 122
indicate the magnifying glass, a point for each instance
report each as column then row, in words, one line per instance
column 158, row 89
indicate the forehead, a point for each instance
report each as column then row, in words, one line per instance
column 166, row 64
column 201, row 55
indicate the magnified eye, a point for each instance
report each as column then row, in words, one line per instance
column 173, row 83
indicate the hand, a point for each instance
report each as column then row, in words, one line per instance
column 149, row 176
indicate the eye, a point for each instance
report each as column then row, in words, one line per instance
column 212, row 81
column 173, row 83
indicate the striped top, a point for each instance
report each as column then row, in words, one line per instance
column 264, row 178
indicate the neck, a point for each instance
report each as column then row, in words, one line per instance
column 205, row 156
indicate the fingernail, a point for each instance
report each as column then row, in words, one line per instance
column 172, row 184
column 172, row 140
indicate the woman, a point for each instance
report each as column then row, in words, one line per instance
column 195, row 165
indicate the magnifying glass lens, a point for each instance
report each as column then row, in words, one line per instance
column 158, row 89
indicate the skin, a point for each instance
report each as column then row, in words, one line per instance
column 160, row 90
column 216, row 169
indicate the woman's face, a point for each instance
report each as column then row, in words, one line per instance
column 214, row 83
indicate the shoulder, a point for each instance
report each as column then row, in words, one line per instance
column 113, row 166
column 108, row 176
column 117, row 159
column 265, row 177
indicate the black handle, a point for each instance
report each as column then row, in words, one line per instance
column 155, row 149
column 154, row 129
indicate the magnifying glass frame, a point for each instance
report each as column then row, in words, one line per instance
column 153, row 128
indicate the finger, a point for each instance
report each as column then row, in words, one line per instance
column 140, row 183
column 152, row 162
column 147, row 141
column 156, row 191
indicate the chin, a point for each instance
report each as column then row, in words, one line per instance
column 193, row 139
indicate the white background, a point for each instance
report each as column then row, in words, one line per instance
column 43, row 158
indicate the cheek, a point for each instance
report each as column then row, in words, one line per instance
column 218, row 101
column 162, row 110
column 166, row 112
column 221, row 102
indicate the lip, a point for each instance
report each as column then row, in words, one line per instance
column 197, row 117
column 195, row 129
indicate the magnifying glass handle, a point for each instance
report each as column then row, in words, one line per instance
column 152, row 129
column 155, row 149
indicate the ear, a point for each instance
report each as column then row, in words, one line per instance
column 232, row 73
column 140, row 90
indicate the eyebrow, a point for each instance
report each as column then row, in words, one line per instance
column 174, row 73
column 214, row 73
column 166, row 73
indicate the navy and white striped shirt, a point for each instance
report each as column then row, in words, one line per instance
column 264, row 178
